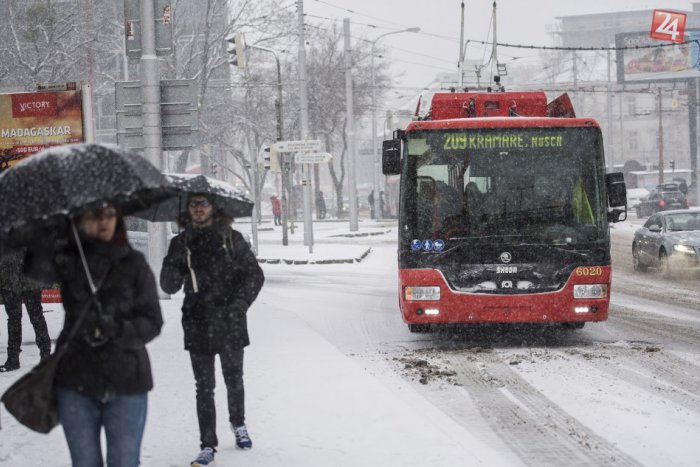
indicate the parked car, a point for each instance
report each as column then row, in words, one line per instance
column 669, row 240
column 662, row 198
column 635, row 196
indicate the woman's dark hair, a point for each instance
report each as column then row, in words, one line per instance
column 120, row 237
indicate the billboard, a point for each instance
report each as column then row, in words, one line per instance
column 670, row 62
column 662, row 63
column 32, row 121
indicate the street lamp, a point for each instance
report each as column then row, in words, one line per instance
column 375, row 154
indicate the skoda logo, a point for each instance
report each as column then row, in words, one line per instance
column 505, row 257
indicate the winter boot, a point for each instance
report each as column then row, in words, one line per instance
column 11, row 364
column 243, row 440
column 44, row 352
column 204, row 459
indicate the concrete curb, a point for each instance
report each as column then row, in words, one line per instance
column 363, row 234
column 312, row 261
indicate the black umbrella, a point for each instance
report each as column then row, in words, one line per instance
column 63, row 181
column 224, row 196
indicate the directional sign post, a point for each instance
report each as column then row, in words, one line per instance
column 307, row 153
column 312, row 158
column 298, row 146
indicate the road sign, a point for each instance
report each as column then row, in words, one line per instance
column 179, row 115
column 312, row 158
column 298, row 146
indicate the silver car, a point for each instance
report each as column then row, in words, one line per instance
column 668, row 241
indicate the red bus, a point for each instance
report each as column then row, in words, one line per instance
column 504, row 212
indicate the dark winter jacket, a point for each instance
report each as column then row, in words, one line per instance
column 223, row 281
column 11, row 276
column 129, row 298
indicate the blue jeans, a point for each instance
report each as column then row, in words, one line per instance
column 82, row 418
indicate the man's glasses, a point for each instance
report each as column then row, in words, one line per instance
column 202, row 203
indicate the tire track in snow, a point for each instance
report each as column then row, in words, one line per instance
column 656, row 328
column 656, row 372
column 643, row 365
column 538, row 431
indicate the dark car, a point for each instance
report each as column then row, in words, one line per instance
column 668, row 241
column 662, row 198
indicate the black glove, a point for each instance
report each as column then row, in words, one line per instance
column 107, row 326
column 101, row 330
column 177, row 256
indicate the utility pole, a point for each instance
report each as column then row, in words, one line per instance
column 350, row 129
column 152, row 129
column 306, row 169
column 460, row 63
column 608, row 106
column 622, row 127
column 494, row 51
column 693, row 133
column 661, row 139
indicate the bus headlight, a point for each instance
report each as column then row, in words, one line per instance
column 591, row 291
column 422, row 293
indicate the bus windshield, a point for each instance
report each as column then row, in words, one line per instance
column 509, row 186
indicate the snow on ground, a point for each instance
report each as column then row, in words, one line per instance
column 308, row 404
column 312, row 403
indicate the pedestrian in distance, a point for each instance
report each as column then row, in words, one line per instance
column 221, row 278
column 370, row 200
column 15, row 289
column 276, row 209
column 104, row 377
column 320, row 205
column 382, row 203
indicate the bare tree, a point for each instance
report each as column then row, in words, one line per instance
column 226, row 104
column 66, row 42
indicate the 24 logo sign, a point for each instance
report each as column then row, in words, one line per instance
column 668, row 26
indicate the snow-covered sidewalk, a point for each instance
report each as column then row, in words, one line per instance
column 308, row 404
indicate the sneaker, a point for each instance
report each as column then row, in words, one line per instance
column 204, row 459
column 242, row 437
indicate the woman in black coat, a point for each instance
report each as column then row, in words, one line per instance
column 221, row 278
column 104, row 377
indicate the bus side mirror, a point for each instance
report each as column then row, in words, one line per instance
column 617, row 196
column 391, row 157
column 617, row 190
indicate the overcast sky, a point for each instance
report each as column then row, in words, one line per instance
column 420, row 56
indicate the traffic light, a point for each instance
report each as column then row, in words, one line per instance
column 236, row 48
column 672, row 163
column 271, row 159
